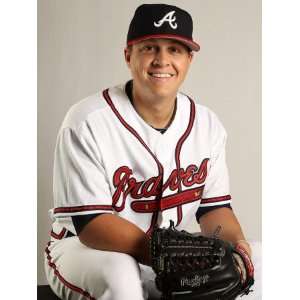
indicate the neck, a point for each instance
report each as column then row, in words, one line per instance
column 156, row 111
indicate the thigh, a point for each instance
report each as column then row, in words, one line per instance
column 77, row 272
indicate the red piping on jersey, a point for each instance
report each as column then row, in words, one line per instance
column 63, row 280
column 60, row 235
column 215, row 199
column 153, row 223
column 133, row 131
column 160, row 167
column 171, row 201
column 178, row 149
column 73, row 209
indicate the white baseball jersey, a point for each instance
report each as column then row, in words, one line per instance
column 109, row 160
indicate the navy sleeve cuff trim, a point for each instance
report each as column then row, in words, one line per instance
column 203, row 210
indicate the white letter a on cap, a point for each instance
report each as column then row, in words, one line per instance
column 167, row 18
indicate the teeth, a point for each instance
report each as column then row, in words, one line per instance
column 159, row 75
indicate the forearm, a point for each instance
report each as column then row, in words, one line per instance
column 112, row 233
column 230, row 229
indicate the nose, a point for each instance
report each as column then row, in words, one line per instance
column 161, row 58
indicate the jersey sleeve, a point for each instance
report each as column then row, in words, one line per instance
column 80, row 183
column 216, row 191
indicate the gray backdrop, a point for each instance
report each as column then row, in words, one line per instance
column 80, row 52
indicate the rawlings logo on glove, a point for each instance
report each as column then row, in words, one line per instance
column 191, row 266
column 195, row 281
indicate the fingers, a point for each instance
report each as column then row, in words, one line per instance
column 244, row 255
column 245, row 245
column 241, row 267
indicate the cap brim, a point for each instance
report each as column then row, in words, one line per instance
column 189, row 43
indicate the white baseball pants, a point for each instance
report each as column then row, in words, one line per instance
column 76, row 272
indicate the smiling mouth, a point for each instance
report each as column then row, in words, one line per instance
column 161, row 75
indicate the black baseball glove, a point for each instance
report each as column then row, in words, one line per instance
column 190, row 266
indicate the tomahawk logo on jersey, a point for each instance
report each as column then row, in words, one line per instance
column 108, row 159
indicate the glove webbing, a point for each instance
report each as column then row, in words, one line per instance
column 202, row 253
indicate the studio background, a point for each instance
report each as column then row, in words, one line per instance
column 80, row 52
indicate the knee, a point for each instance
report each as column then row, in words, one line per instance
column 124, row 276
column 122, row 266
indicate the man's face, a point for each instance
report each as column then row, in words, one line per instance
column 158, row 66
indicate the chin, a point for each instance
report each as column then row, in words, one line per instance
column 164, row 91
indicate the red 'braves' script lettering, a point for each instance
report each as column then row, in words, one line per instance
column 126, row 184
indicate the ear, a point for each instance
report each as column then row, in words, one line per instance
column 191, row 56
column 127, row 55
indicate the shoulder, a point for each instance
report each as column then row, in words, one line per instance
column 82, row 110
column 93, row 107
column 203, row 114
column 206, row 120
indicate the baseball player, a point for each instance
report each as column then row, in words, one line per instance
column 131, row 157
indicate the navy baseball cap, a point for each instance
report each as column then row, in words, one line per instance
column 161, row 21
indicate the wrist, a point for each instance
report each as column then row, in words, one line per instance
column 143, row 252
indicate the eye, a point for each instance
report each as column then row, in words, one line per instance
column 148, row 48
column 175, row 49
